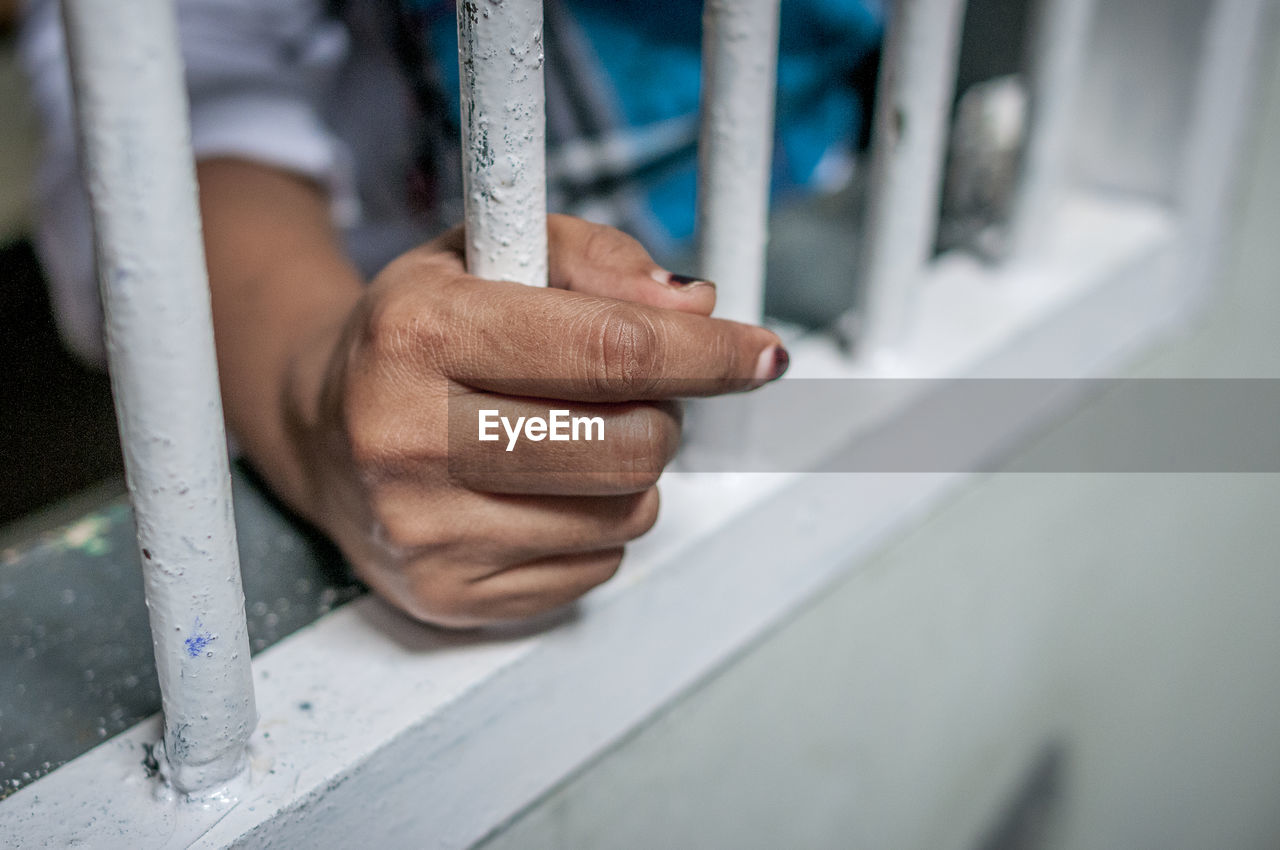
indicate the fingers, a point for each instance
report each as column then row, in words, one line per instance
column 473, row 526
column 449, row 247
column 553, row 344
column 542, row 585
column 596, row 260
column 480, row 533
column 503, row 557
column 524, row 590
column 514, row 557
column 499, row 444
column 521, row 529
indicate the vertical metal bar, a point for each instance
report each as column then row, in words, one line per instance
column 1222, row 107
column 735, row 150
column 917, row 86
column 1058, row 46
column 131, row 106
column 504, row 161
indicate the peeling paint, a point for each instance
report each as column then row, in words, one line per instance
column 503, row 139
column 133, row 123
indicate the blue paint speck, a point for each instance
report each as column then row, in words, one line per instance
column 200, row 638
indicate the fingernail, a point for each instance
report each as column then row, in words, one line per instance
column 679, row 281
column 772, row 364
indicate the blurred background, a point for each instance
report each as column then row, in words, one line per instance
column 57, row 427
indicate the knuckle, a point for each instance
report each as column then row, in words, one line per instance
column 647, row 442
column 645, row 515
column 369, row 449
column 388, row 412
column 664, row 436
column 628, row 349
column 636, row 480
column 444, row 603
column 373, row 449
column 393, row 443
column 397, row 530
column 643, row 479
column 381, row 327
column 407, row 524
column 521, row 606
column 605, row 246
column 606, row 569
column 398, row 326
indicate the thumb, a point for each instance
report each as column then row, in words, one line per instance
column 598, row 260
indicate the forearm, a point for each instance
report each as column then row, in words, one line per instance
column 281, row 288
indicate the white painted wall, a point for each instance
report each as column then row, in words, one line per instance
column 1132, row 615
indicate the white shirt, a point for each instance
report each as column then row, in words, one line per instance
column 275, row 81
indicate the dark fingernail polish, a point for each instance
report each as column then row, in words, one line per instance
column 781, row 360
column 680, row 281
column 772, row 364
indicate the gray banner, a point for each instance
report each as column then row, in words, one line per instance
column 901, row 425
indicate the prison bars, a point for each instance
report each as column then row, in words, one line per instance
column 503, row 139
column 132, row 116
column 504, row 147
column 1054, row 64
column 1228, row 54
column 735, row 149
column 504, row 152
column 909, row 139
column 909, row 132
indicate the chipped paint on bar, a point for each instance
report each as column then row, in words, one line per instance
column 503, row 139
column 135, row 146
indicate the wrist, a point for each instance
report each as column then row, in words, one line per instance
column 304, row 402
column 281, row 290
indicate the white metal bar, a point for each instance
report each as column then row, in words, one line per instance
column 503, row 139
column 132, row 110
column 1058, row 46
column 1221, row 112
column 917, row 85
column 735, row 150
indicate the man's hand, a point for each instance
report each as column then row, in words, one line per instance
column 347, row 408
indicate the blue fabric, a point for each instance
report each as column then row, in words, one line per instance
column 650, row 52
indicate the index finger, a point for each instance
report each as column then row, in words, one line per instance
column 551, row 343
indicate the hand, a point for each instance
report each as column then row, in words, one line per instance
column 461, row 532
column 341, row 395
